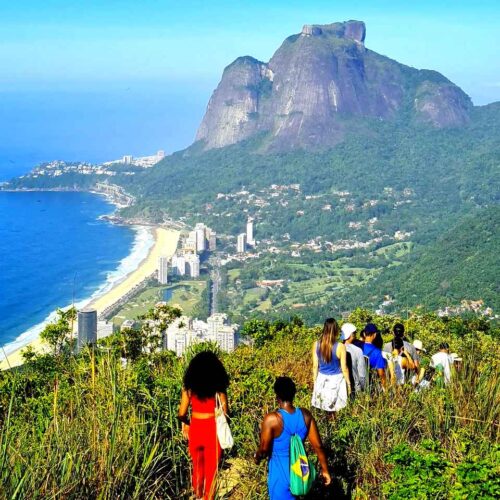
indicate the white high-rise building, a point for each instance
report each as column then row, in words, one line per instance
column 221, row 332
column 127, row 159
column 163, row 270
column 200, row 238
column 190, row 242
column 241, row 243
column 181, row 265
column 160, row 154
column 185, row 331
column 193, row 265
column 250, row 240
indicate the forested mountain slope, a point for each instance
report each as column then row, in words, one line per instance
column 461, row 264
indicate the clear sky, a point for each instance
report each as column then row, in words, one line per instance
column 152, row 64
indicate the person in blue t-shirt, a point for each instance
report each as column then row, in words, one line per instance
column 374, row 354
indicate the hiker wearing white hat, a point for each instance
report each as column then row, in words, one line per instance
column 419, row 350
column 417, row 344
column 358, row 367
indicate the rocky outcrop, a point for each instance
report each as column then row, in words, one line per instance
column 441, row 105
column 315, row 83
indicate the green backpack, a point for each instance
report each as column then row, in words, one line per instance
column 302, row 471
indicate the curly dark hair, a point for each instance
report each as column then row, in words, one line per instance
column 206, row 375
column 285, row 389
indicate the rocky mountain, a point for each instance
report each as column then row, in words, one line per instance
column 316, row 85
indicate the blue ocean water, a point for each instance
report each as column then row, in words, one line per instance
column 53, row 250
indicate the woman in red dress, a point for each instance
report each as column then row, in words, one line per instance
column 205, row 378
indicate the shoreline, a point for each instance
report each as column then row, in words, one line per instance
column 165, row 244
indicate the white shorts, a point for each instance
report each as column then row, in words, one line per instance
column 330, row 392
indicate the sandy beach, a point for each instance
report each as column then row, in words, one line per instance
column 165, row 245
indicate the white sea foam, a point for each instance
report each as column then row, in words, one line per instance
column 143, row 242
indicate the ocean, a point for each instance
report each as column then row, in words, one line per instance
column 54, row 251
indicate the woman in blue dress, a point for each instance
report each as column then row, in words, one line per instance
column 276, row 431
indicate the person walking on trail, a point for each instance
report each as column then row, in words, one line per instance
column 399, row 333
column 276, row 432
column 442, row 363
column 357, row 358
column 204, row 379
column 374, row 354
column 421, row 361
column 403, row 363
column 332, row 385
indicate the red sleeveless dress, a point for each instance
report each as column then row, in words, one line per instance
column 204, row 447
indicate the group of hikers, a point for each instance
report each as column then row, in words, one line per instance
column 343, row 366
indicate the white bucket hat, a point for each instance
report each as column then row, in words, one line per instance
column 417, row 344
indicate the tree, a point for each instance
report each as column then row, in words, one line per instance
column 152, row 334
column 57, row 334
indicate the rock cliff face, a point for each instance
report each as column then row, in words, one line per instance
column 315, row 83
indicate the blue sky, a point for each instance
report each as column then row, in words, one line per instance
column 164, row 53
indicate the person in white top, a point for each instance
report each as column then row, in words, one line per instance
column 357, row 357
column 442, row 362
column 403, row 363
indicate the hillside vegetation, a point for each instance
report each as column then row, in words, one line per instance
column 88, row 427
column 462, row 263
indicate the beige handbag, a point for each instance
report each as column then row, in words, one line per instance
column 224, row 435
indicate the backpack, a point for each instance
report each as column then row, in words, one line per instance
column 302, row 471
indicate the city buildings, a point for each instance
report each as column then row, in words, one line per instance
column 192, row 265
column 212, row 241
column 201, row 239
column 163, row 270
column 178, row 265
column 185, row 331
column 250, row 240
column 128, row 323
column 241, row 243
column 87, row 328
column 190, row 242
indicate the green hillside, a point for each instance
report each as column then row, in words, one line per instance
column 449, row 171
column 461, row 264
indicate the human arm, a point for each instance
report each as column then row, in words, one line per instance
column 182, row 415
column 383, row 378
column 315, row 362
column 361, row 369
column 408, row 363
column 315, row 440
column 268, row 429
column 341, row 353
column 224, row 403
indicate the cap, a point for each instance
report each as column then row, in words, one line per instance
column 417, row 344
column 371, row 328
column 347, row 330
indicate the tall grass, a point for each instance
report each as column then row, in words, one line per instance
column 86, row 427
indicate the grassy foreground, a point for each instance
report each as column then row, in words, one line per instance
column 87, row 427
